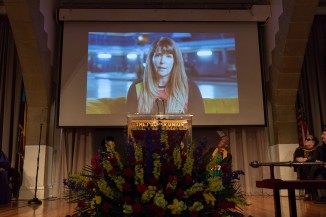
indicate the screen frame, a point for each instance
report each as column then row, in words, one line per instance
column 66, row 18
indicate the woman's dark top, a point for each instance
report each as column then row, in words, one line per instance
column 195, row 100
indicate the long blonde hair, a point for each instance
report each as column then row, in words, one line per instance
column 177, row 87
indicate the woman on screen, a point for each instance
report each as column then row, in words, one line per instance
column 165, row 87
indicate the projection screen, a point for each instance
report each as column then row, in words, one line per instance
column 102, row 60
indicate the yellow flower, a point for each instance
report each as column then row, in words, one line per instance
column 177, row 207
column 127, row 209
column 196, row 206
column 98, row 199
column 209, row 198
column 156, row 166
column 193, row 189
column 177, row 157
column 139, row 174
column 118, row 180
column 148, row 194
column 106, row 190
column 159, row 200
column 214, row 184
column 78, row 179
column 188, row 165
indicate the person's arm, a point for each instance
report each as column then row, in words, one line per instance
column 317, row 155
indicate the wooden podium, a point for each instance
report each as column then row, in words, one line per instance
column 178, row 127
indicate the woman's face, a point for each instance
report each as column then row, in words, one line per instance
column 223, row 143
column 309, row 143
column 163, row 63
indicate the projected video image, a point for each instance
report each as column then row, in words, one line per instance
column 161, row 72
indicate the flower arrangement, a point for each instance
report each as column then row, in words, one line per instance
column 155, row 179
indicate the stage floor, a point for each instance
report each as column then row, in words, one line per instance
column 261, row 206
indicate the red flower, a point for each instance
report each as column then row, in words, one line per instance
column 170, row 151
column 173, row 178
column 180, row 192
column 183, row 158
column 111, row 171
column 98, row 170
column 225, row 169
column 137, row 208
column 194, row 214
column 126, row 186
column 106, row 207
column 128, row 200
column 216, row 213
column 168, row 191
column 131, row 160
column 141, row 188
column 188, row 179
column 141, row 162
column 150, row 207
column 90, row 184
column 226, row 204
column 128, row 172
column 172, row 167
column 153, row 181
column 164, row 168
column 95, row 160
column 81, row 203
column 112, row 160
column 159, row 212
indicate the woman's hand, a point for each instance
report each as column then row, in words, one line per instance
column 301, row 159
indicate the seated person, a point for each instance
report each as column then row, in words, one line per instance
column 108, row 146
column 5, row 195
column 319, row 172
column 222, row 156
column 305, row 154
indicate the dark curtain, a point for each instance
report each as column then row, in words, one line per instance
column 10, row 97
column 312, row 86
